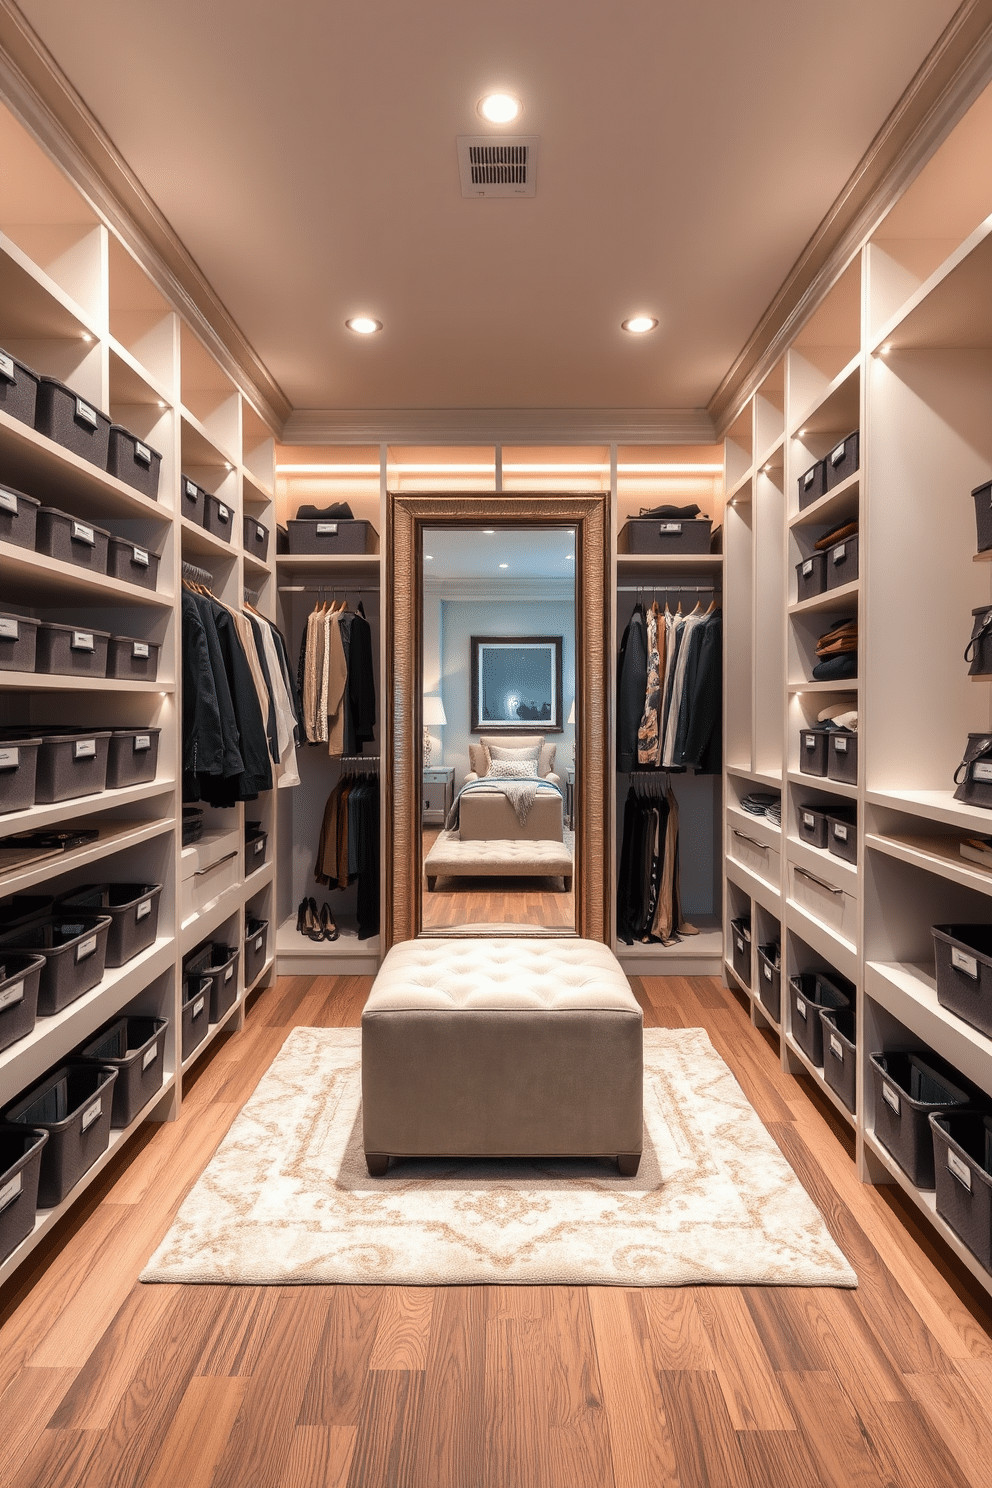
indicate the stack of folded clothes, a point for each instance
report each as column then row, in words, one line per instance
column 840, row 718
column 764, row 803
column 836, row 535
column 838, row 652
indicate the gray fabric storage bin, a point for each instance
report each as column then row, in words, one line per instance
column 256, row 847
column 812, row 484
column 133, row 911
column 668, row 534
column 840, row 1054
column 71, row 541
column 221, row 966
column 20, row 1171
column 191, row 500
column 73, row 1106
column 770, row 980
column 132, row 563
column 135, row 1048
column 842, row 562
column 132, row 757
column 18, row 517
column 842, row 835
column 18, row 773
column 71, row 765
column 338, row 535
column 963, row 956
column 131, row 461
column 256, row 538
column 810, row 991
column 842, row 756
column 813, row 750
column 218, row 517
column 18, row 642
column 21, row 909
column 842, row 460
column 811, row 824
column 811, row 576
column 196, row 1011
column 907, row 1090
column 20, row 980
column 70, row 421
column 962, row 1159
column 740, row 948
column 65, row 651
column 983, row 515
column 130, row 660
column 256, row 947
column 18, row 389
column 74, row 947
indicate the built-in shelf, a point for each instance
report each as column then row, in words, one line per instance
column 822, row 783
column 709, row 563
column 346, row 956
column 55, row 681
column 115, row 836
column 940, row 855
column 57, row 477
column 35, row 580
column 834, row 506
column 231, row 1016
column 197, row 540
column 760, row 777
column 821, row 860
column 937, row 805
column 843, row 684
column 908, row 990
column 46, row 816
column 828, row 600
column 816, row 1074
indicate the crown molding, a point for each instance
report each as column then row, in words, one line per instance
column 500, row 591
column 43, row 99
column 453, row 426
column 953, row 74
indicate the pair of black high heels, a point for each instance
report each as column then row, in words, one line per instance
column 313, row 925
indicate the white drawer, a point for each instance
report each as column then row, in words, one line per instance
column 824, row 901
column 205, row 885
column 754, row 851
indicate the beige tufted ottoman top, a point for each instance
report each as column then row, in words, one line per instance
column 509, row 975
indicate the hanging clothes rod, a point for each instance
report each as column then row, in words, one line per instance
column 253, row 597
column 197, row 574
column 362, row 759
column 328, row 589
column 667, row 589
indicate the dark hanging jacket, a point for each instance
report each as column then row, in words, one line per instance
column 361, row 682
column 257, row 773
column 631, row 688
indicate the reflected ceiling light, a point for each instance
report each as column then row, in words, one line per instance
column 489, row 531
column 569, row 556
column 363, row 325
column 428, row 557
column 504, row 565
column 638, row 324
column 500, row 108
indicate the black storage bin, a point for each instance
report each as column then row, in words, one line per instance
column 256, row 944
column 74, row 948
column 18, row 642
column 740, row 946
column 63, row 651
column 842, row 834
column 133, row 910
column 842, row 562
column 840, row 1063
column 842, row 756
column 196, row 1012
column 132, row 563
column 324, row 536
column 132, row 757
column 842, row 460
column 770, row 980
column 63, row 537
column 811, row 824
column 72, row 422
column 20, row 1170
column 18, row 773
column 963, row 954
column 810, row 991
column 256, row 846
column 962, row 1159
column 666, row 534
column 132, row 462
column 222, row 969
column 813, row 750
column 18, row 516
column 73, row 1106
column 20, row 979
column 71, row 765
column 191, row 500
column 18, row 389
column 21, row 909
column 811, row 576
column 983, row 515
column 812, row 484
column 218, row 516
column 907, row 1091
column 192, row 825
column 132, row 660
column 135, row 1048
column 256, row 539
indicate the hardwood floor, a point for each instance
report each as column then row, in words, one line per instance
column 495, row 901
column 110, row 1384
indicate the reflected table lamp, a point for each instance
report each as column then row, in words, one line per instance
column 571, row 719
column 433, row 718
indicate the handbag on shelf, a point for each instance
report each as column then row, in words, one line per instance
column 973, row 775
column 979, row 648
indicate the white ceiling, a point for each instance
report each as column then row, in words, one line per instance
column 305, row 154
column 528, row 552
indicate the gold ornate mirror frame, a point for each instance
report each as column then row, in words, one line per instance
column 407, row 517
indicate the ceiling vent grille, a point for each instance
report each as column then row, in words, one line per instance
column 498, row 167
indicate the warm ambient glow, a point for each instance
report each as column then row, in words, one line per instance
column 500, row 108
column 680, row 468
column 638, row 324
column 363, row 325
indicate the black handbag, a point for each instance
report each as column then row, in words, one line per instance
column 979, row 648
column 973, row 775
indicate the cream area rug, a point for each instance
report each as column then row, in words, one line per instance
column 286, row 1197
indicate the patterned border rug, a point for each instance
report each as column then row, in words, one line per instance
column 286, row 1197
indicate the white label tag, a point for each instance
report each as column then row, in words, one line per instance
column 86, row 948
column 808, row 478
column 8, row 502
column 258, row 942
column 740, row 944
column 222, row 512
column 810, row 741
column 801, row 1008
column 139, row 651
column 840, row 745
column 198, row 1007
column 768, row 973
column 840, row 552
column 259, row 532
column 961, row 1170
column 9, row 759
column 82, row 533
column 143, row 909
column 6, row 366
column 836, row 1048
column 229, row 973
column 9, row 630
column 142, row 453
column 190, row 487
column 962, row 962
column 981, row 770
column 260, row 845
column 670, row 529
column 92, row 1113
column 150, row 1056
column 142, row 741
column 86, row 413
column 327, row 529
column 809, row 820
column 140, row 557
column 840, row 832
column 836, row 455
column 12, row 996
column 891, row 1097
column 84, row 749
column 10, row 1191
column 807, row 567
column 82, row 640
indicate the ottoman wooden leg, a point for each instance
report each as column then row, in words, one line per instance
column 627, row 1162
column 430, row 884
column 377, row 1163
column 567, row 881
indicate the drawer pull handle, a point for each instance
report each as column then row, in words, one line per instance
column 753, row 840
column 225, row 859
column 805, row 873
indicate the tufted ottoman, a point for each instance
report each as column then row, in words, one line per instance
column 499, row 857
column 501, row 1048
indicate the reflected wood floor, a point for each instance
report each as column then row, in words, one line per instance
column 495, row 901
column 109, row 1384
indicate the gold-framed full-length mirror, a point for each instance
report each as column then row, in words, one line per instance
column 566, row 701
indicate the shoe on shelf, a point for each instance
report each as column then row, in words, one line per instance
column 301, row 915
column 311, row 923
column 327, row 924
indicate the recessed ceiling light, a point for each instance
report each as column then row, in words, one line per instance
column 500, row 108
column 638, row 324
column 363, row 325
column 428, row 557
column 569, row 556
column 489, row 531
column 504, row 565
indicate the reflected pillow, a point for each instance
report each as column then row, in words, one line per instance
column 523, row 769
column 478, row 758
column 502, row 752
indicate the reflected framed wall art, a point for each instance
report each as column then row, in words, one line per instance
column 516, row 684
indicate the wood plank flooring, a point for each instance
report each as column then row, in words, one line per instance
column 110, row 1384
column 495, row 901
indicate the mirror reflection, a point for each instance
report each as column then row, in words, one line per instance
column 498, row 677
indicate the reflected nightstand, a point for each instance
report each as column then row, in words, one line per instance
column 439, row 793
